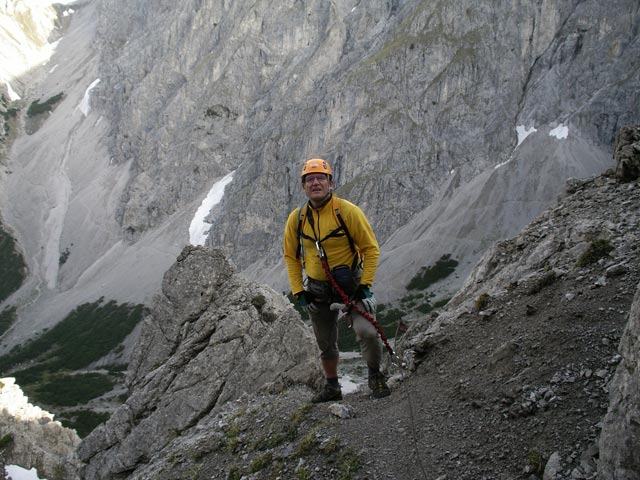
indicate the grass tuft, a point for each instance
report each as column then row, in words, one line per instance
column 597, row 249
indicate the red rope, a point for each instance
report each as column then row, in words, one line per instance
column 346, row 301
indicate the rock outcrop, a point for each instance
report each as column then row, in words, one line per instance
column 626, row 153
column 620, row 438
column 211, row 337
column 31, row 438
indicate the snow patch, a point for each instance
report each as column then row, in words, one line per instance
column 523, row 133
column 18, row 473
column 560, row 132
column 199, row 228
column 13, row 96
column 84, row 106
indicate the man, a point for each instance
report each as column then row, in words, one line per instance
column 339, row 231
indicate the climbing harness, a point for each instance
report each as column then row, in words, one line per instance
column 342, row 230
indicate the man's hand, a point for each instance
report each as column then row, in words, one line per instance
column 366, row 297
column 305, row 300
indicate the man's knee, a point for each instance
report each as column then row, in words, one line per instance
column 329, row 354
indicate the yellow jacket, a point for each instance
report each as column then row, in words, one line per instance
column 337, row 249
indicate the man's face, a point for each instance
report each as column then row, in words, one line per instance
column 316, row 186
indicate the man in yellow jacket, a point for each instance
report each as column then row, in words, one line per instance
column 339, row 231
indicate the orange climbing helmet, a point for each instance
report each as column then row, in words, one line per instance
column 316, row 165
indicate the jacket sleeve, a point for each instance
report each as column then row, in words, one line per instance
column 365, row 240
column 293, row 264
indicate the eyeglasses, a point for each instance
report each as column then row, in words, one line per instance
column 311, row 178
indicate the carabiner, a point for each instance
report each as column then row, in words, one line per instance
column 320, row 250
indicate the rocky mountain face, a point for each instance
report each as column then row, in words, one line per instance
column 396, row 94
column 414, row 102
column 519, row 376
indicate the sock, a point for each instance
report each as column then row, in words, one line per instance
column 373, row 371
column 333, row 382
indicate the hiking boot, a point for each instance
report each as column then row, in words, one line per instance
column 378, row 385
column 328, row 394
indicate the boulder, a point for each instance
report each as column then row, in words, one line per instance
column 626, row 153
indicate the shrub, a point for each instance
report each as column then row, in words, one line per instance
column 307, row 443
column 348, row 464
column 7, row 318
column 260, row 462
column 482, row 301
column 36, row 107
column 427, row 276
column 598, row 249
column 425, row 307
column 83, row 421
column 5, row 441
column 87, row 334
column 69, row 390
column 12, row 266
column 536, row 461
column 441, row 303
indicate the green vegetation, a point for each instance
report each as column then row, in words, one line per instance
column 87, row 334
column 235, row 473
column 9, row 113
column 6, row 441
column 12, row 267
column 63, row 257
column 36, row 107
column 307, row 443
column 302, row 473
column 482, row 301
column 232, row 431
column 69, row 390
column 83, row 421
column 260, row 462
column 536, row 461
column 348, row 464
column 7, row 318
column 427, row 276
column 288, row 434
column 598, row 249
